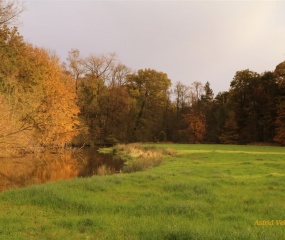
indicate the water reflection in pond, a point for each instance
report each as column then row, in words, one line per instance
column 40, row 168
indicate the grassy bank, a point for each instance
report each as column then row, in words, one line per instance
column 204, row 192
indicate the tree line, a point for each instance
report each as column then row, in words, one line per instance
column 98, row 100
column 120, row 105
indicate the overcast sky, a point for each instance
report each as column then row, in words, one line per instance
column 189, row 40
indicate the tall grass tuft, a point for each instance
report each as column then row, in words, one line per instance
column 104, row 170
column 140, row 157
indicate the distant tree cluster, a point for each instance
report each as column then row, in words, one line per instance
column 121, row 105
column 117, row 104
column 250, row 112
column 98, row 100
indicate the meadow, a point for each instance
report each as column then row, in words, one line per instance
column 201, row 192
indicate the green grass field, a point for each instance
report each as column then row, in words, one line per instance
column 205, row 192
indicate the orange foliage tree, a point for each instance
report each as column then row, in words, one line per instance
column 38, row 97
column 196, row 122
column 55, row 118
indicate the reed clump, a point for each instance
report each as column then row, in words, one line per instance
column 104, row 170
column 139, row 157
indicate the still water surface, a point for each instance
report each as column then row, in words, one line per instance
column 40, row 168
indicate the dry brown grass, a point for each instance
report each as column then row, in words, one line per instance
column 139, row 157
column 104, row 170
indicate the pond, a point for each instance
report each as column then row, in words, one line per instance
column 45, row 167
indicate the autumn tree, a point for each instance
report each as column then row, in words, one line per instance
column 196, row 126
column 188, row 103
column 149, row 90
column 75, row 65
column 207, row 106
column 243, row 104
column 119, row 75
column 13, row 132
column 100, row 67
column 279, row 73
column 102, row 96
column 114, row 113
column 265, row 96
column 39, row 96
column 182, row 94
column 12, row 92
column 56, row 116
column 208, row 95
column 197, row 92
column 220, row 110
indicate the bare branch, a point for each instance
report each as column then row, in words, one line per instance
column 10, row 11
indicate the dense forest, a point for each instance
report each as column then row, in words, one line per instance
column 46, row 103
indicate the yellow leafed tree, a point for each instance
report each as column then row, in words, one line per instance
column 56, row 117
